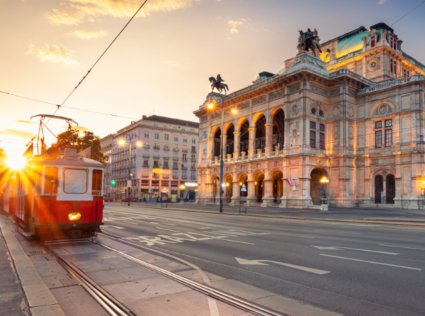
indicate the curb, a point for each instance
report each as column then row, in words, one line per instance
column 296, row 218
column 40, row 300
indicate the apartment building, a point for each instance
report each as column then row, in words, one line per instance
column 106, row 149
column 162, row 161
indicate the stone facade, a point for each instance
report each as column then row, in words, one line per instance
column 322, row 118
column 166, row 160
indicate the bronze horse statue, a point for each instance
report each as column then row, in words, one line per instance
column 307, row 41
column 218, row 84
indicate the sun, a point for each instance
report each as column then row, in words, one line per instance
column 16, row 162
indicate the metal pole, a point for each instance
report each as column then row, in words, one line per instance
column 221, row 156
column 129, row 172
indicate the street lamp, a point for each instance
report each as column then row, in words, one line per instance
column 234, row 111
column 122, row 142
column 324, row 180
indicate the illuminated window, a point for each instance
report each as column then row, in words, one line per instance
column 378, row 139
column 388, row 123
column 388, row 137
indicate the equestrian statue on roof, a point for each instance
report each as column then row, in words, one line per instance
column 218, row 84
column 309, row 40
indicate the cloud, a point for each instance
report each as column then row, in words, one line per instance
column 87, row 34
column 235, row 24
column 17, row 133
column 67, row 17
column 27, row 122
column 54, row 54
column 76, row 11
column 382, row 1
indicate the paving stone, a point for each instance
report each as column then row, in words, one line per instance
column 48, row 268
column 121, row 275
column 105, row 264
column 55, row 280
column 50, row 310
column 39, row 295
column 75, row 301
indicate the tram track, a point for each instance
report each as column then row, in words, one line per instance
column 242, row 304
column 107, row 301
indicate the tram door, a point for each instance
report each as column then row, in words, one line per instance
column 379, row 189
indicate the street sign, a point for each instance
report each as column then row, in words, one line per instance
column 243, row 189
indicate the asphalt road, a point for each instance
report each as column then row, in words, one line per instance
column 350, row 269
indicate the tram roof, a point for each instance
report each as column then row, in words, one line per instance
column 63, row 161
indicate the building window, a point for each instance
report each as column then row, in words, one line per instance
column 193, row 140
column 312, row 125
column 378, row 124
column 156, row 145
column 165, row 145
column 146, row 153
column 175, row 156
column 192, row 175
column 156, row 154
column 322, row 141
column 165, row 126
column 391, row 66
column 192, row 130
column 395, row 68
column 388, row 123
column 156, row 125
column 312, row 139
column 388, row 137
column 175, row 165
column 194, row 149
column 145, row 163
column 193, row 157
column 322, row 127
column 176, row 138
column 184, row 147
column 166, row 136
column 175, row 146
column 156, row 135
column 155, row 164
column 166, row 154
column 165, row 164
column 146, row 134
column 184, row 157
column 372, row 42
column 146, row 144
column 184, row 139
column 378, row 139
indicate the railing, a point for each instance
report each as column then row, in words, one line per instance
column 175, row 149
column 155, row 147
column 184, row 168
column 184, row 159
column 192, row 178
column 391, row 83
column 175, row 177
column 175, row 158
column 175, row 168
column 193, row 159
column 166, row 148
column 184, row 176
column 145, row 176
column 184, row 150
column 193, row 151
column 146, row 155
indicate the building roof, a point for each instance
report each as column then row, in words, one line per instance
column 169, row 120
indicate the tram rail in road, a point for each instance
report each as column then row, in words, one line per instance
column 115, row 308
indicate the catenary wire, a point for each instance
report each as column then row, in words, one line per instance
column 104, row 52
column 68, row 107
column 407, row 13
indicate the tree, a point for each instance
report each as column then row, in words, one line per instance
column 70, row 139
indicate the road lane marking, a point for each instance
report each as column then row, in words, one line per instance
column 329, row 231
column 342, row 248
column 103, row 226
column 396, row 246
column 170, row 230
column 168, row 224
column 291, row 235
column 373, row 262
column 240, row 242
column 263, row 263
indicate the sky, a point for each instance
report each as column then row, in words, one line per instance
column 162, row 61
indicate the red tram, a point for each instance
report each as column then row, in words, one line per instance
column 57, row 196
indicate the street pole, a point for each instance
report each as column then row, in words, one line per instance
column 129, row 173
column 221, row 155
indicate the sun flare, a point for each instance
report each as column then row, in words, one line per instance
column 16, row 162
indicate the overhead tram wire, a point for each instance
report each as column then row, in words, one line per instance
column 104, row 52
column 408, row 13
column 67, row 107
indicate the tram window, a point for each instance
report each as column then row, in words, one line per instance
column 96, row 188
column 75, row 181
column 37, row 176
column 50, row 174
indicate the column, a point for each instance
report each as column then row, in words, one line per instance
column 269, row 132
column 268, row 193
column 236, row 145
column 210, row 149
column 236, row 193
column 251, row 149
column 251, row 198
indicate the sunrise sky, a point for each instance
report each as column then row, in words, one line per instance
column 164, row 58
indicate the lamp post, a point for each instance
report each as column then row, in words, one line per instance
column 324, row 181
column 122, row 142
column 234, row 111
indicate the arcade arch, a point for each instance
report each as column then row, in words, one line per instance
column 317, row 189
column 278, row 131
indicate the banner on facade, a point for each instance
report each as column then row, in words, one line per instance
column 292, row 182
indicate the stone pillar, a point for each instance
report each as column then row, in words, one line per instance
column 269, row 132
column 268, row 193
column 236, row 194
column 251, row 142
column 210, row 149
column 251, row 198
column 236, row 144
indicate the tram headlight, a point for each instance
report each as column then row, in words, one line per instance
column 74, row 216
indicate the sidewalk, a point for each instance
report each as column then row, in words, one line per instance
column 358, row 215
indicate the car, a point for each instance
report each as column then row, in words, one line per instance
column 107, row 199
column 131, row 199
